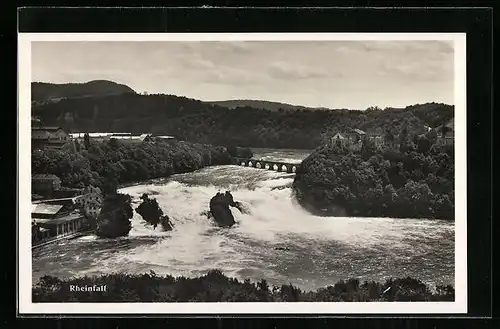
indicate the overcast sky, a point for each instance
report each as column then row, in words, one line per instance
column 334, row 74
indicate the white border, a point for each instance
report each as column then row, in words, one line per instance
column 25, row 306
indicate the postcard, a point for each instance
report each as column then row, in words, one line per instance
column 286, row 173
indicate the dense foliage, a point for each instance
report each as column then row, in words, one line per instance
column 114, row 218
column 216, row 287
column 414, row 181
column 202, row 122
column 106, row 164
column 240, row 152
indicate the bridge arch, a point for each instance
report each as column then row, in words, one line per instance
column 268, row 165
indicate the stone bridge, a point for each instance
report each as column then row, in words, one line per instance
column 267, row 165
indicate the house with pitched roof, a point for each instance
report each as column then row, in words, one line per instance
column 446, row 133
column 49, row 137
column 55, row 220
column 45, row 184
column 340, row 140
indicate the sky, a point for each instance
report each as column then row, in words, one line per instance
column 332, row 74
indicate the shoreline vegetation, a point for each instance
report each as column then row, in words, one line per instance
column 217, row 287
column 108, row 164
column 210, row 123
column 414, row 179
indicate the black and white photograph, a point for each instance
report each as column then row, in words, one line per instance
column 322, row 173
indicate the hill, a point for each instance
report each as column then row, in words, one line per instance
column 43, row 92
column 197, row 121
column 266, row 105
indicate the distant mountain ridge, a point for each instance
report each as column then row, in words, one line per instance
column 47, row 92
column 266, row 105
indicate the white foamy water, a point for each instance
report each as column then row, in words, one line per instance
column 319, row 250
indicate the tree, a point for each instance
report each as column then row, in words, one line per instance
column 378, row 182
column 444, row 130
column 77, row 146
column 113, row 143
column 86, row 140
column 114, row 219
column 368, row 148
column 432, row 136
column 423, row 144
column 389, row 137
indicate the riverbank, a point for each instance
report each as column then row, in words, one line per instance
column 217, row 287
column 59, row 238
column 276, row 240
column 107, row 164
column 378, row 182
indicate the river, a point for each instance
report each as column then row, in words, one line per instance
column 318, row 251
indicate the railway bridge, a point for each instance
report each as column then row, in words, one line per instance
column 267, row 165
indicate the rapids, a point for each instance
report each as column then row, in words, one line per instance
column 317, row 251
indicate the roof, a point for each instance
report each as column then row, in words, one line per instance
column 339, row 136
column 359, row 131
column 46, row 128
column 46, row 209
column 63, row 219
column 60, row 202
column 44, row 177
column 36, row 197
column 70, row 189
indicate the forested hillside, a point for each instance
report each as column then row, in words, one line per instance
column 202, row 122
column 266, row 105
column 43, row 92
column 416, row 180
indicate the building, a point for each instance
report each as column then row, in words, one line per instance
column 377, row 138
column 446, row 133
column 49, row 137
column 355, row 135
column 93, row 136
column 89, row 201
column 55, row 218
column 51, row 221
column 340, row 140
column 67, row 192
column 129, row 138
column 44, row 184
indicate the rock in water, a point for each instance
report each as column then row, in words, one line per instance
column 114, row 219
column 166, row 223
column 219, row 208
column 153, row 214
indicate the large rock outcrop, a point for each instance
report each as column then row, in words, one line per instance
column 220, row 211
column 114, row 219
column 153, row 214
